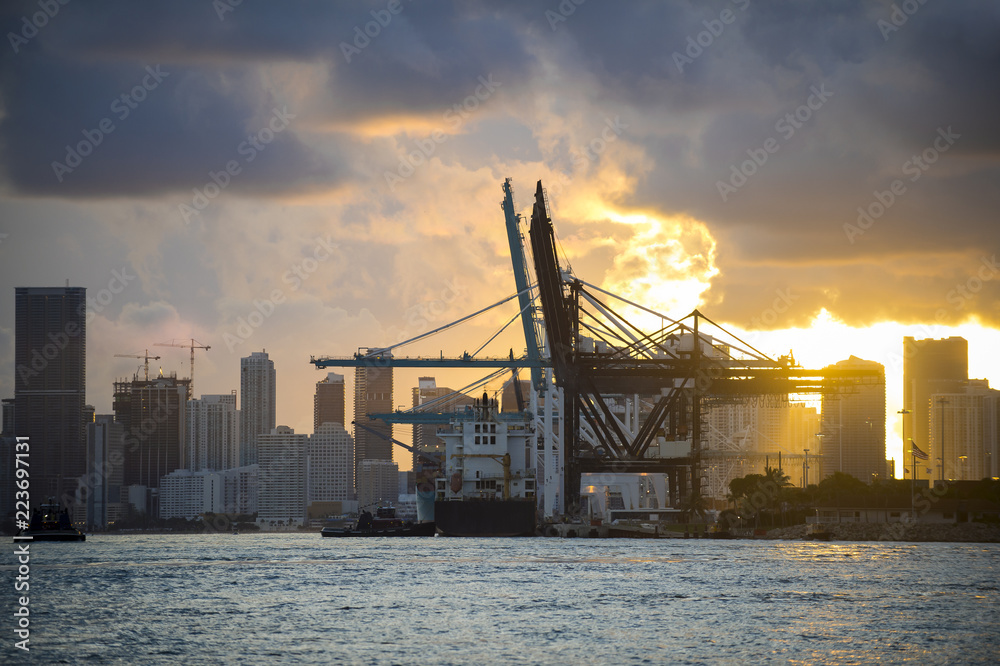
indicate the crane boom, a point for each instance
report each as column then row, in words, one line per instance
column 395, row 441
column 522, row 282
column 193, row 344
column 145, row 357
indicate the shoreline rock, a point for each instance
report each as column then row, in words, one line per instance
column 919, row 532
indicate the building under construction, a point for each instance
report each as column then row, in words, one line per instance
column 153, row 414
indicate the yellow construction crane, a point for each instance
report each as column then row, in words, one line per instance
column 502, row 459
column 145, row 357
column 192, row 344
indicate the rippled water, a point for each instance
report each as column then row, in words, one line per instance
column 301, row 598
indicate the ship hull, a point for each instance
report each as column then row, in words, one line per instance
column 485, row 518
column 54, row 535
column 415, row 530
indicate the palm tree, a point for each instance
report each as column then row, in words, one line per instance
column 781, row 481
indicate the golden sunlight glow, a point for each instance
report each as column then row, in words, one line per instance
column 828, row 340
column 666, row 264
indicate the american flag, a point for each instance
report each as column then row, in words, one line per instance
column 917, row 453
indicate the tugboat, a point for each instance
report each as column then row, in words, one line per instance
column 48, row 523
column 383, row 524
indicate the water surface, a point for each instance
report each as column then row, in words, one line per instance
column 300, row 598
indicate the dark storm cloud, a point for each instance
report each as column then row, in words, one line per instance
column 895, row 87
column 63, row 91
column 699, row 85
column 102, row 128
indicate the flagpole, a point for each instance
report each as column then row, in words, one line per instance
column 913, row 460
column 913, row 474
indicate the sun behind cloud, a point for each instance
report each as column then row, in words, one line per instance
column 666, row 264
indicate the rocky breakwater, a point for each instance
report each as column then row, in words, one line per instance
column 957, row 532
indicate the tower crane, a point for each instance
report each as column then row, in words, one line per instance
column 145, row 357
column 192, row 344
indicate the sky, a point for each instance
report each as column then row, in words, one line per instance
column 308, row 178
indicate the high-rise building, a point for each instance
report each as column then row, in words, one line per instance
column 372, row 395
column 378, row 484
column 154, row 415
column 745, row 437
column 7, row 478
column 7, row 451
column 331, row 464
column 428, row 396
column 50, row 345
column 257, row 403
column 8, row 418
column 328, row 402
column 103, row 480
column 853, row 428
column 964, row 432
column 509, row 395
column 186, row 494
column 283, row 477
column 213, row 432
column 929, row 366
column 242, row 488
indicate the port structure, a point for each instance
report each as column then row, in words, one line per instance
column 585, row 356
column 596, row 352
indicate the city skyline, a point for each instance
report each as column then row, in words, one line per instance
column 910, row 348
column 317, row 191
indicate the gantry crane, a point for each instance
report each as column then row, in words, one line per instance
column 145, row 357
column 192, row 344
column 595, row 353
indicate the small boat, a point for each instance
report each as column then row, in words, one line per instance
column 49, row 523
column 719, row 531
column 383, row 524
column 818, row 533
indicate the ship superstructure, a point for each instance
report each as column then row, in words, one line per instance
column 488, row 486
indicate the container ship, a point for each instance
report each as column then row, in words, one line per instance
column 488, row 485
